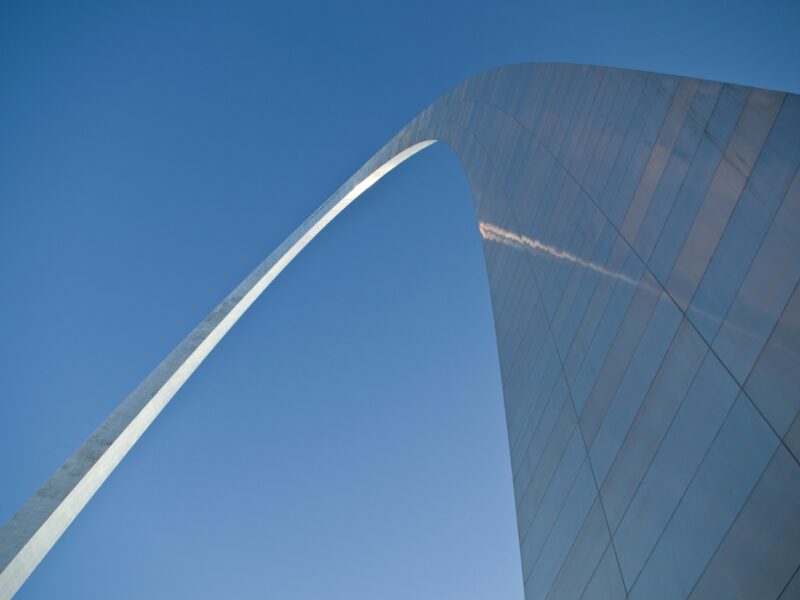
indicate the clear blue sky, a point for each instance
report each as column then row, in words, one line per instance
column 347, row 439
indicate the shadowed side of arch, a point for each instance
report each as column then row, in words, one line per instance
column 640, row 236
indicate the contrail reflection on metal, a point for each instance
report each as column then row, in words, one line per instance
column 509, row 238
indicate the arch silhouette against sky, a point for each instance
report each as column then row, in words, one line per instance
column 640, row 239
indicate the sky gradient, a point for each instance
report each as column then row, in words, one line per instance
column 347, row 439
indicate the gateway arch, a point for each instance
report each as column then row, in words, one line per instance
column 642, row 241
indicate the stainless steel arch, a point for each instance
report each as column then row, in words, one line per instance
column 639, row 233
column 31, row 533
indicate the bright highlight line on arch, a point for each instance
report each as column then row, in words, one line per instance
column 37, row 526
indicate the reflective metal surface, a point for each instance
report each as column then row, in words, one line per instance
column 641, row 235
